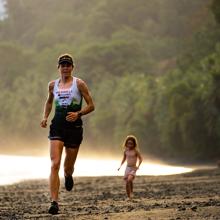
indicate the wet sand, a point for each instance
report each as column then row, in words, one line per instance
column 191, row 196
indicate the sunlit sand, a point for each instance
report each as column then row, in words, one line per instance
column 17, row 168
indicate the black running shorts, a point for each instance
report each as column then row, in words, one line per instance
column 72, row 137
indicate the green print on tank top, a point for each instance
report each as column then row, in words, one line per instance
column 74, row 106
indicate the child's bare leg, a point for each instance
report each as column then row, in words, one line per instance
column 129, row 186
column 128, row 189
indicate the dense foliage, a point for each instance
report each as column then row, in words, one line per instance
column 153, row 68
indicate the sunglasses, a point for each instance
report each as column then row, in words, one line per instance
column 65, row 64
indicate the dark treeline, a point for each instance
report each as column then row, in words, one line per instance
column 153, row 68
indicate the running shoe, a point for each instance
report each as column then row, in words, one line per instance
column 54, row 208
column 69, row 183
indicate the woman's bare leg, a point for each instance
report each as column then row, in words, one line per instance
column 56, row 148
column 70, row 159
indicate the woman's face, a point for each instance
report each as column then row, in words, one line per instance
column 66, row 69
column 130, row 144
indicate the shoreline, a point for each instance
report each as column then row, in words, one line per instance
column 193, row 195
column 39, row 167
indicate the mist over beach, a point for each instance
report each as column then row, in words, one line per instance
column 152, row 68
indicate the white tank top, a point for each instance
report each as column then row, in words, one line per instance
column 67, row 98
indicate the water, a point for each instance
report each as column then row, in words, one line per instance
column 17, row 168
column 2, row 10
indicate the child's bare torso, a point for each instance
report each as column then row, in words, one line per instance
column 131, row 156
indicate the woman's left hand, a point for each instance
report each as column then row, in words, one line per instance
column 72, row 116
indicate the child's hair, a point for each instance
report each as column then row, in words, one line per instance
column 132, row 138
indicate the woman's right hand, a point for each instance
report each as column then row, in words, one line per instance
column 43, row 123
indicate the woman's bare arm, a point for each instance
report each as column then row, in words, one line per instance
column 48, row 105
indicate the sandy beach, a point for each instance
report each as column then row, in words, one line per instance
column 194, row 195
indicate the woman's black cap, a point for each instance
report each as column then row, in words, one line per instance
column 65, row 58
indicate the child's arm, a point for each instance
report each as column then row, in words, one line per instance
column 140, row 159
column 123, row 160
